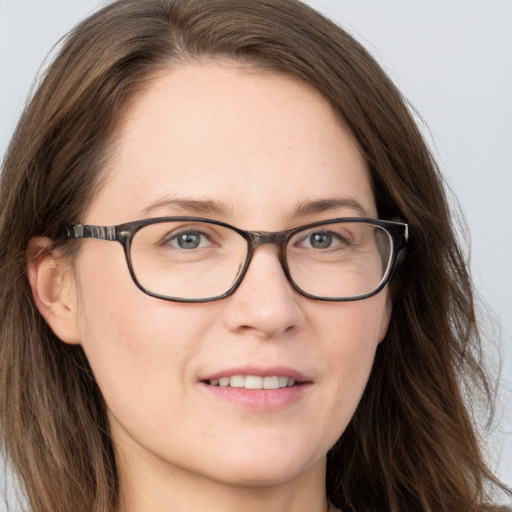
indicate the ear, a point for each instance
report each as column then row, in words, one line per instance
column 54, row 289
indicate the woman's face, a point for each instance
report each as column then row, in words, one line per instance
column 252, row 149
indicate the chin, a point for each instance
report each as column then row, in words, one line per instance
column 266, row 468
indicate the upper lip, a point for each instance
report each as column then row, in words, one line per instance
column 280, row 371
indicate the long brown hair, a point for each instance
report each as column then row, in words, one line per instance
column 411, row 444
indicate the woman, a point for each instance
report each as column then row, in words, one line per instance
column 229, row 277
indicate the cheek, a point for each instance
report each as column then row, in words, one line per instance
column 351, row 337
column 137, row 346
column 353, row 330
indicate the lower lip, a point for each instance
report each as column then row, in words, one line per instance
column 264, row 400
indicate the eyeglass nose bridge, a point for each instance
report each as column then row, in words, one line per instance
column 267, row 237
column 279, row 239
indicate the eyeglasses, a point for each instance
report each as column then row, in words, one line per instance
column 189, row 259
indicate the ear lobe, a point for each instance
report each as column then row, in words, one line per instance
column 53, row 289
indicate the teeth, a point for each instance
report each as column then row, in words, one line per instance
column 223, row 382
column 237, row 381
column 253, row 382
column 271, row 383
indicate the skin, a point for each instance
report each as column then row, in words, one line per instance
column 260, row 144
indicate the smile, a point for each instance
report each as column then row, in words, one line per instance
column 253, row 382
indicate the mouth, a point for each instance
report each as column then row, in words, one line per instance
column 253, row 382
column 257, row 388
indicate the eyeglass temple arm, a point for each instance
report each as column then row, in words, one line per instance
column 86, row 231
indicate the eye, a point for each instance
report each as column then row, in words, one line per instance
column 188, row 240
column 323, row 240
column 320, row 240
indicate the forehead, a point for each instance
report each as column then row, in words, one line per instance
column 259, row 144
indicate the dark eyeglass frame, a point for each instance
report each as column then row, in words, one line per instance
column 124, row 233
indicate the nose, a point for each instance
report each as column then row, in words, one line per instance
column 265, row 304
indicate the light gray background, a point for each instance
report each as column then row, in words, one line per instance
column 453, row 61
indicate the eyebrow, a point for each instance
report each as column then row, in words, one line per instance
column 326, row 205
column 204, row 207
column 211, row 207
